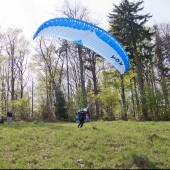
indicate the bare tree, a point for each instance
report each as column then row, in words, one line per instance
column 22, row 64
column 52, row 66
column 76, row 10
column 162, row 37
column 16, row 49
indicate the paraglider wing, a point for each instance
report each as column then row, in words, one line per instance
column 89, row 36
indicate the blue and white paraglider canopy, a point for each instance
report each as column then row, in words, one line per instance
column 89, row 36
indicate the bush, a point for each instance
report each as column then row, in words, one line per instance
column 21, row 108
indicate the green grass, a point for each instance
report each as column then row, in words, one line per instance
column 104, row 145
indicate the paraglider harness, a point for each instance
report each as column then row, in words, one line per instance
column 81, row 114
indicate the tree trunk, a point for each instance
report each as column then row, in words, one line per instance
column 32, row 101
column 68, row 81
column 132, row 98
column 94, row 78
column 12, row 79
column 82, row 76
column 141, row 82
column 124, row 117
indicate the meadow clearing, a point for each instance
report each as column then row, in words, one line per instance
column 97, row 145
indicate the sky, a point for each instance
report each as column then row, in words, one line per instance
column 30, row 14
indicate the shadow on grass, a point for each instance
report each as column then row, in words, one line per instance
column 142, row 162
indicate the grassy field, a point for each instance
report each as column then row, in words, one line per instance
column 114, row 144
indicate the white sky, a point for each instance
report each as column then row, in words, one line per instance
column 30, row 14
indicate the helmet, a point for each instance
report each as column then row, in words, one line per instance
column 85, row 109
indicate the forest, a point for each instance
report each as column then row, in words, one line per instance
column 50, row 79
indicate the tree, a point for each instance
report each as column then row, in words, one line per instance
column 90, row 65
column 21, row 108
column 11, row 42
column 76, row 10
column 129, row 28
column 15, row 50
column 162, row 50
column 51, row 66
column 110, row 103
column 3, row 88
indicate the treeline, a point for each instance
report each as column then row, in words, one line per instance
column 57, row 77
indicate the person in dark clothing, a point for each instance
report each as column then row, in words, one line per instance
column 1, row 120
column 82, row 117
column 9, row 116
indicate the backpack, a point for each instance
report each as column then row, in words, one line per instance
column 82, row 115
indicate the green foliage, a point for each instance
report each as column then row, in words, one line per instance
column 110, row 102
column 71, row 107
column 156, row 105
column 60, row 106
column 45, row 112
column 100, row 145
column 112, row 79
column 79, row 98
column 21, row 108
